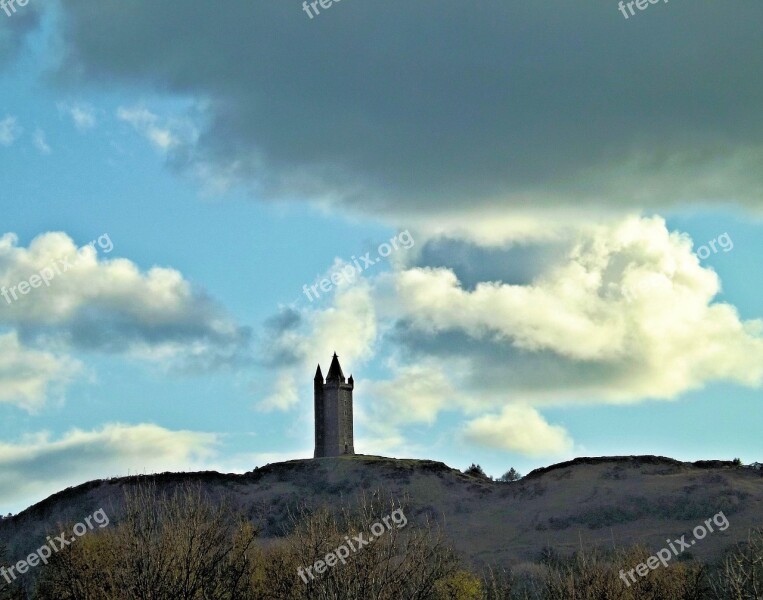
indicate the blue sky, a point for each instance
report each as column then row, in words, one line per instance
column 551, row 305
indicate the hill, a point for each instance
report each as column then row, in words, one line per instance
column 582, row 503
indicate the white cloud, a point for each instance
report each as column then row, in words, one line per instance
column 285, row 394
column 82, row 114
column 630, row 298
column 10, row 130
column 27, row 375
column 164, row 134
column 39, row 141
column 416, row 394
column 111, row 306
column 39, row 465
column 519, row 428
column 348, row 326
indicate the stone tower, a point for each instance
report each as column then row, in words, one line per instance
column 333, row 412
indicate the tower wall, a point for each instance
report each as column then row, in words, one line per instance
column 320, row 421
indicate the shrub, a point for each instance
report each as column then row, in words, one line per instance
column 182, row 545
column 461, row 585
column 476, row 471
column 510, row 475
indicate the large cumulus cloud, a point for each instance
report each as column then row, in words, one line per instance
column 96, row 304
column 628, row 313
column 110, row 305
column 617, row 313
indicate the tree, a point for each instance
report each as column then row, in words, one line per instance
column 183, row 544
column 741, row 572
column 476, row 471
column 409, row 562
column 510, row 475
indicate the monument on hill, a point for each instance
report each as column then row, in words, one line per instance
column 333, row 412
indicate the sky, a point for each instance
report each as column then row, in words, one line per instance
column 542, row 221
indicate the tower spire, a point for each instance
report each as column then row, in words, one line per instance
column 335, row 370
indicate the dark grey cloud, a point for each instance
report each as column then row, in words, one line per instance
column 111, row 330
column 14, row 31
column 499, row 368
column 518, row 264
column 287, row 319
column 423, row 106
column 276, row 347
column 194, row 343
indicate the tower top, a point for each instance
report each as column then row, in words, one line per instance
column 318, row 374
column 335, row 370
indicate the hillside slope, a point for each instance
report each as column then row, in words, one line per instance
column 588, row 502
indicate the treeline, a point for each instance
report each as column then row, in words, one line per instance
column 184, row 546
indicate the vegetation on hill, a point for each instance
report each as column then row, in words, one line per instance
column 186, row 546
column 561, row 532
